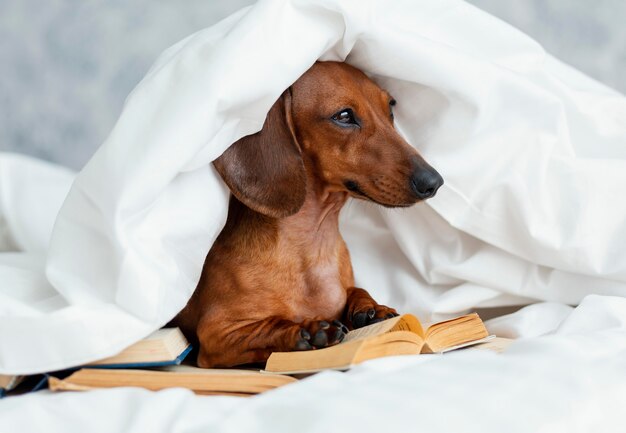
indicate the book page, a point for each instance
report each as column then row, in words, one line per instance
column 188, row 369
column 497, row 344
column 193, row 379
column 371, row 330
column 409, row 322
column 395, row 336
column 406, row 322
column 8, row 382
column 162, row 346
column 455, row 332
column 480, row 342
column 433, row 327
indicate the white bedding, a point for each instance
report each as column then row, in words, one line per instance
column 534, row 158
column 572, row 381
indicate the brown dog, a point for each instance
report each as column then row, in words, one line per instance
column 279, row 277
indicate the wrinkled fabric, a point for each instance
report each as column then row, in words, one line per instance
column 573, row 380
column 533, row 154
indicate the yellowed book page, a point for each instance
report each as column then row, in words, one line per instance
column 189, row 369
column 360, row 344
column 467, row 344
column 55, row 384
column 497, row 344
column 160, row 346
column 345, row 355
column 434, row 327
column 406, row 322
column 5, row 380
column 231, row 373
column 455, row 332
column 209, row 380
column 337, row 357
column 390, row 344
column 9, row 382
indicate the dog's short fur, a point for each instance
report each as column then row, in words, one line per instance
column 279, row 277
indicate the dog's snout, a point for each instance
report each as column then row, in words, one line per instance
column 425, row 183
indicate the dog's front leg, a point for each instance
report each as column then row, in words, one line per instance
column 362, row 310
column 238, row 342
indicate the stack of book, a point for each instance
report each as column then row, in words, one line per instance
column 155, row 362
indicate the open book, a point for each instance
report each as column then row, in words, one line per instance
column 167, row 346
column 396, row 336
column 199, row 380
column 402, row 335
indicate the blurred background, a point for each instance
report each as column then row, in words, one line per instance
column 66, row 66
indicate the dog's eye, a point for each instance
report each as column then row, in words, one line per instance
column 392, row 104
column 345, row 117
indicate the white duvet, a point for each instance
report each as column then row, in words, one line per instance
column 534, row 158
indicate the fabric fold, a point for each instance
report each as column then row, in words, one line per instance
column 532, row 153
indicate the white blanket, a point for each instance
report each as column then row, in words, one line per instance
column 570, row 382
column 533, row 154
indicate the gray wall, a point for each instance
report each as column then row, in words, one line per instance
column 67, row 65
column 588, row 34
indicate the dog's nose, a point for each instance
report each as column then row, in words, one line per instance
column 425, row 183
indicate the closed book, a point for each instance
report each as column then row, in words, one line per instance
column 199, row 380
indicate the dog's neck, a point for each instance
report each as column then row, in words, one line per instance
column 313, row 231
column 316, row 224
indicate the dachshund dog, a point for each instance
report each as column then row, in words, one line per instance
column 279, row 277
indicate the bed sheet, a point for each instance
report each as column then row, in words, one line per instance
column 572, row 380
column 534, row 158
column 533, row 154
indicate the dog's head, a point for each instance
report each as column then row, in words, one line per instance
column 338, row 124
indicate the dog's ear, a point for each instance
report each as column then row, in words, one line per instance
column 265, row 170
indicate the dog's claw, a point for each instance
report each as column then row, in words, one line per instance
column 341, row 326
column 359, row 320
column 320, row 339
column 303, row 345
column 371, row 316
column 316, row 334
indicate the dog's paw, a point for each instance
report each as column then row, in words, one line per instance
column 315, row 334
column 375, row 314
